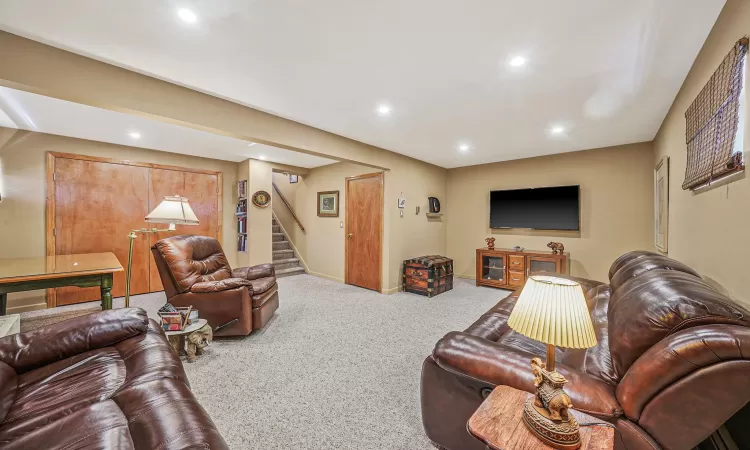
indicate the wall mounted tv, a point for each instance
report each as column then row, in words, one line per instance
column 547, row 208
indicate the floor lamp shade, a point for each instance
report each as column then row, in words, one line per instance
column 174, row 210
column 553, row 311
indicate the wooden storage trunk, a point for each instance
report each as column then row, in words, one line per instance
column 428, row 275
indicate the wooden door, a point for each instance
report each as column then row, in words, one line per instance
column 364, row 231
column 96, row 206
column 202, row 192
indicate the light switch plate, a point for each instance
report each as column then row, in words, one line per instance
column 342, row 224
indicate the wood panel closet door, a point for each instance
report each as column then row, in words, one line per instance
column 202, row 192
column 96, row 206
column 364, row 231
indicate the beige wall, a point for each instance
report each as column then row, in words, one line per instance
column 616, row 206
column 258, row 176
column 23, row 189
column 707, row 231
column 321, row 246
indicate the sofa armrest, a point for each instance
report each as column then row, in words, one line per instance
column 255, row 272
column 219, row 285
column 43, row 346
column 497, row 364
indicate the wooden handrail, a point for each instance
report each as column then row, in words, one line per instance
column 281, row 196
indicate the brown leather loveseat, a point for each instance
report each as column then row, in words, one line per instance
column 672, row 362
column 195, row 272
column 107, row 380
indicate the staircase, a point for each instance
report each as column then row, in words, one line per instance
column 285, row 261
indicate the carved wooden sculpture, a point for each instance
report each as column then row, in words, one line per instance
column 490, row 243
column 547, row 414
column 557, row 248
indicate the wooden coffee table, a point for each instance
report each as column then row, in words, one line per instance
column 498, row 423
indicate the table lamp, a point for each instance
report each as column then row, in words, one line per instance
column 553, row 311
column 172, row 210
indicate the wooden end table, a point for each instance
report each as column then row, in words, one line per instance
column 498, row 423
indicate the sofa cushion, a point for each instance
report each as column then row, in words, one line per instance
column 8, row 387
column 54, row 391
column 596, row 360
column 646, row 309
column 220, row 285
column 493, row 324
column 260, row 299
column 262, row 285
column 626, row 258
column 638, row 266
column 96, row 426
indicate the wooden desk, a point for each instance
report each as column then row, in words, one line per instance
column 498, row 423
column 86, row 270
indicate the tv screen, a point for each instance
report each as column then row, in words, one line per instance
column 548, row 208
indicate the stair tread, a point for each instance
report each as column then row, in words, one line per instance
column 285, row 261
column 291, row 270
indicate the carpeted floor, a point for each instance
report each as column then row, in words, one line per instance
column 337, row 368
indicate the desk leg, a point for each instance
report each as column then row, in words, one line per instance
column 106, row 289
column 3, row 303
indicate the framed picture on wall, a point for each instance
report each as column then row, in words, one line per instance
column 293, row 178
column 661, row 204
column 328, row 204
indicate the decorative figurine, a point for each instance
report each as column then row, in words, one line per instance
column 197, row 341
column 490, row 242
column 546, row 415
column 557, row 248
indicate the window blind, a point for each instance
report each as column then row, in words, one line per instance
column 712, row 120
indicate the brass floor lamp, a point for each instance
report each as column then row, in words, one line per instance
column 172, row 210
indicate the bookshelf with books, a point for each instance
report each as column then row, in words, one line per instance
column 241, row 215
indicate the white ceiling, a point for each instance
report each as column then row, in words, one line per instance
column 19, row 109
column 606, row 70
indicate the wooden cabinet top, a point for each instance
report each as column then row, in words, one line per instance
column 524, row 251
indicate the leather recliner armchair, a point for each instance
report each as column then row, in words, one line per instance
column 670, row 367
column 195, row 272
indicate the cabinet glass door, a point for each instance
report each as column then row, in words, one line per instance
column 493, row 268
column 540, row 264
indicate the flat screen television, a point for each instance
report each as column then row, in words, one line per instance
column 547, row 208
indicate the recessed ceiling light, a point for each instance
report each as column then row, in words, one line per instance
column 134, row 135
column 517, row 61
column 262, row 158
column 464, row 147
column 187, row 15
column 557, row 129
column 383, row 110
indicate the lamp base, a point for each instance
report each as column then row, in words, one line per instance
column 562, row 435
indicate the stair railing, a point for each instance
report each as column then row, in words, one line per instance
column 281, row 196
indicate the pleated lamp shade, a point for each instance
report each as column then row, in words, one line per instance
column 553, row 311
column 174, row 210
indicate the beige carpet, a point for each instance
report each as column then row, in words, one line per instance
column 34, row 322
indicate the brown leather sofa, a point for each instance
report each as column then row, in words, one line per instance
column 672, row 362
column 195, row 272
column 104, row 380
